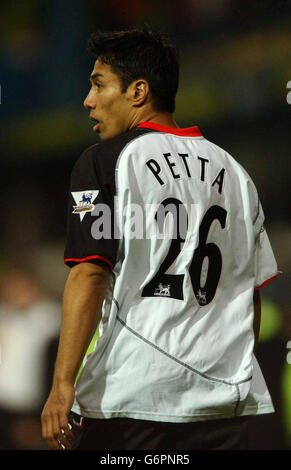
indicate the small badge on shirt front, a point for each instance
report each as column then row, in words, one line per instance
column 84, row 202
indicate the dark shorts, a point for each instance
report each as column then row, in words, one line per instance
column 135, row 434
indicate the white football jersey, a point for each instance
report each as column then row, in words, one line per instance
column 187, row 248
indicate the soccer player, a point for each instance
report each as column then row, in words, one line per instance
column 167, row 250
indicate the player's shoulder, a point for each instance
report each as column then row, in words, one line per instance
column 107, row 152
column 239, row 177
column 231, row 161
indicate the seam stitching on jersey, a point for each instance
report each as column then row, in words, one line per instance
column 115, row 301
column 258, row 212
column 175, row 359
column 244, row 380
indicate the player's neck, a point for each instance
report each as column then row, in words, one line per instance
column 162, row 118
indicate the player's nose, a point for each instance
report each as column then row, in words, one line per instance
column 88, row 102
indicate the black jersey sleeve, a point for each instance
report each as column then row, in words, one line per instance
column 91, row 191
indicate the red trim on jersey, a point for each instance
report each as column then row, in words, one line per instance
column 186, row 132
column 80, row 260
column 266, row 282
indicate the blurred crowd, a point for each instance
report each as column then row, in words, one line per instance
column 29, row 327
column 235, row 66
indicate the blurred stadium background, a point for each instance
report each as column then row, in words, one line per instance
column 235, row 67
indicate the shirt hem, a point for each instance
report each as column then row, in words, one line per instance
column 199, row 416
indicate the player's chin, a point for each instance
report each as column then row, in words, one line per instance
column 102, row 134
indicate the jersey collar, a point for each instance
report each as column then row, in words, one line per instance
column 185, row 132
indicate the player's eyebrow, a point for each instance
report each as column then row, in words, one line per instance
column 95, row 75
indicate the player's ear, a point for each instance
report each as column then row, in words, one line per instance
column 139, row 92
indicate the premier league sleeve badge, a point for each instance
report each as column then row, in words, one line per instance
column 84, row 202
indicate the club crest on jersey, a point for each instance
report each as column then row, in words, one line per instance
column 163, row 290
column 84, row 202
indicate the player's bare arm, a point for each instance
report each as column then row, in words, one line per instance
column 83, row 297
column 257, row 316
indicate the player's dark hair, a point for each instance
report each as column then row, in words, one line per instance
column 140, row 53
